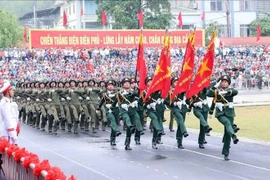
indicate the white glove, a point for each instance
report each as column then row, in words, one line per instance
column 49, row 99
column 62, row 99
column 210, row 116
column 68, row 98
column 108, row 106
column 87, row 98
column 158, row 101
column 148, row 106
column 124, row 106
column 90, row 89
column 153, row 105
column 179, row 103
column 37, row 100
column 71, row 90
column 28, row 99
column 18, row 97
column 223, row 92
column 13, row 134
column 52, row 90
column 217, row 85
column 134, row 104
column 80, row 98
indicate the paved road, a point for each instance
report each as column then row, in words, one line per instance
column 90, row 157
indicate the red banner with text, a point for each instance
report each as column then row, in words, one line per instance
column 107, row 38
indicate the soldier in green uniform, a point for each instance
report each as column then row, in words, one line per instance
column 107, row 99
column 74, row 95
column 200, row 110
column 150, row 105
column 93, row 102
column 65, row 101
column 85, row 118
column 223, row 101
column 126, row 101
column 178, row 107
column 56, row 108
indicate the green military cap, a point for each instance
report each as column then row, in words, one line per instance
column 18, row 85
column 125, row 80
column 173, row 80
column 53, row 82
column 66, row 82
column 78, row 82
column 147, row 79
column 99, row 83
column 72, row 80
column 60, row 82
column 132, row 80
column 113, row 82
column 85, row 81
column 226, row 77
column 92, row 80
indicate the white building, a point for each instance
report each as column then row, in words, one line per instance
column 242, row 13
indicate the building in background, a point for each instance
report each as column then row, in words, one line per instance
column 81, row 14
column 43, row 19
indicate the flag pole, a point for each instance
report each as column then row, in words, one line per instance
column 136, row 72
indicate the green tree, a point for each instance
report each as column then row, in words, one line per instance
column 157, row 13
column 264, row 23
column 209, row 28
column 10, row 31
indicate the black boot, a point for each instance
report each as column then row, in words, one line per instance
column 154, row 145
column 128, row 148
column 226, row 158
column 235, row 139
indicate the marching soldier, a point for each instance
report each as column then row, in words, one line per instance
column 74, row 95
column 85, row 119
column 223, row 101
column 93, row 94
column 107, row 99
column 65, row 101
column 178, row 108
column 56, row 109
column 150, row 104
column 200, row 110
column 126, row 101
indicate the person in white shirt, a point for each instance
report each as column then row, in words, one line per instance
column 8, row 113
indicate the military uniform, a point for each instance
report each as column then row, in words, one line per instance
column 107, row 99
column 223, row 102
column 179, row 109
column 200, row 110
column 126, row 101
column 150, row 106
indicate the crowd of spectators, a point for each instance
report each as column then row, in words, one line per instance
column 249, row 66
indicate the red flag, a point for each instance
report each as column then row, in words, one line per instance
column 187, row 67
column 202, row 78
column 24, row 34
column 90, row 67
column 81, row 11
column 64, row 18
column 180, row 22
column 258, row 32
column 104, row 18
column 141, row 67
column 162, row 77
column 203, row 16
column 140, row 18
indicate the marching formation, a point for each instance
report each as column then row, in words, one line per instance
column 87, row 105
